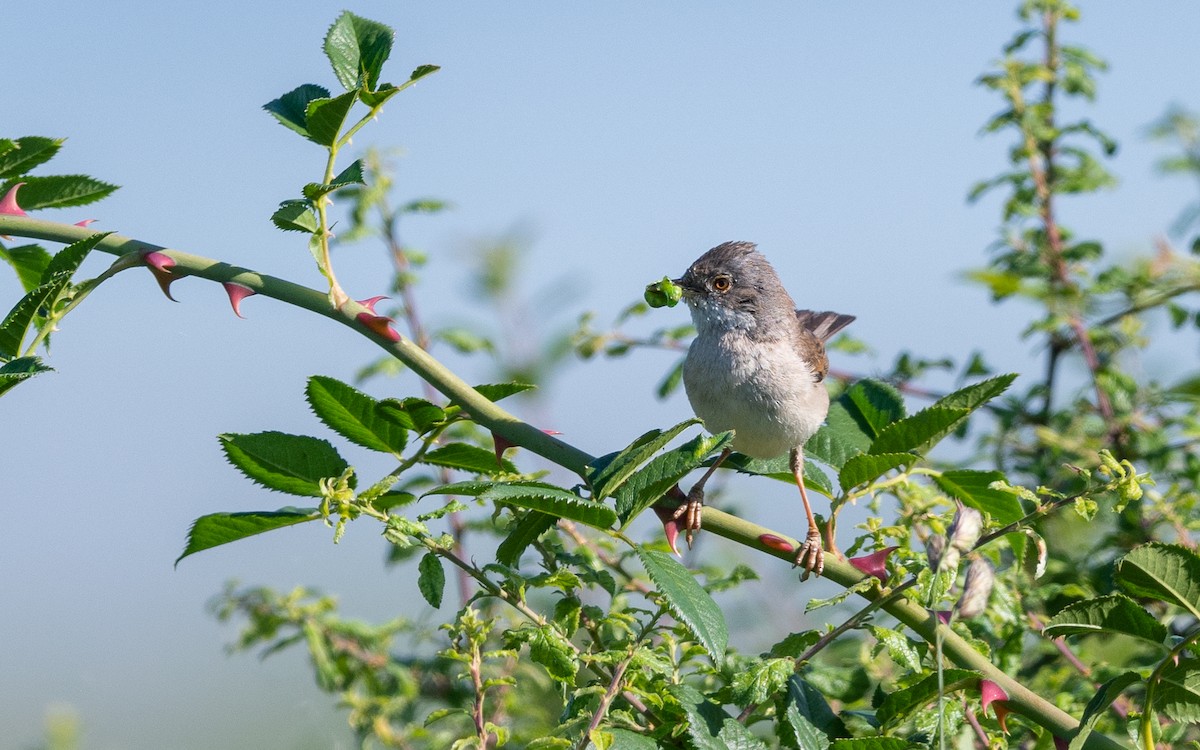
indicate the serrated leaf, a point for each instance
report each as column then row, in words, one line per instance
column 841, row 437
column 779, row 469
column 623, row 739
column 499, row 391
column 875, row 405
column 295, row 464
column 353, row 415
column 27, row 153
column 688, row 601
column 431, row 579
column 973, row 489
column 470, row 458
column 414, row 414
column 291, row 109
column 651, row 482
column 709, row 727
column 759, row 681
column 18, row 370
column 351, row 175
column 919, row 432
column 812, row 721
column 795, row 644
column 216, row 529
column 324, row 117
column 1099, row 704
column 899, row 648
column 546, row 647
column 357, row 49
column 68, row 260
column 421, row 71
column 523, row 533
column 976, row 395
column 1112, row 614
column 29, row 261
column 1178, row 693
column 870, row 743
column 16, row 324
column 607, row 473
column 554, row 501
column 59, row 191
column 295, row 216
column 867, row 467
column 900, row 704
column 1162, row 571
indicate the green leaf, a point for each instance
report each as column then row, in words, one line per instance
column 1113, row 614
column 805, row 702
column 16, row 324
column 546, row 647
column 609, row 472
column 875, row 405
column 759, row 681
column 709, row 727
column 324, row 117
column 522, row 534
column 295, row 464
column 431, row 579
column 68, row 260
column 870, row 743
column 554, row 501
column 291, row 109
column 351, row 175
column 295, row 216
column 651, row 482
column 352, row 414
column 841, row 437
column 1099, row 704
column 470, row 458
column 919, row 432
column 357, row 49
column 900, row 704
column 414, row 414
column 688, row 601
column 867, row 467
column 795, row 644
column 976, row 395
column 623, row 739
column 899, row 647
column 222, row 528
column 421, row 71
column 59, row 191
column 17, row 370
column 1167, row 572
column 29, row 261
column 972, row 488
column 28, row 153
column 779, row 469
column 1178, row 693
column 500, row 391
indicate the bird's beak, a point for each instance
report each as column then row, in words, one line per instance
column 682, row 283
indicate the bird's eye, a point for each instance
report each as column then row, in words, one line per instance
column 722, row 283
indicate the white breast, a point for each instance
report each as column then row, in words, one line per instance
column 763, row 390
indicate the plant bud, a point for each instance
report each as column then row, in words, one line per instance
column 934, row 547
column 965, row 530
column 976, row 589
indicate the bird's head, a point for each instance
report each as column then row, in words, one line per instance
column 733, row 286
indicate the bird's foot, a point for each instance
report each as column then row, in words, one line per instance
column 690, row 512
column 811, row 556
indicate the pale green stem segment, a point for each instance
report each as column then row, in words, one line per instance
column 920, row 620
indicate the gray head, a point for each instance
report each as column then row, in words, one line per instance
column 733, row 286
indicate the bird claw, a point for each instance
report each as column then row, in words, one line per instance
column 691, row 512
column 811, row 556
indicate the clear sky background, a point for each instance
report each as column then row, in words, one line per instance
column 623, row 138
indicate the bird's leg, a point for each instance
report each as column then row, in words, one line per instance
column 810, row 556
column 691, row 510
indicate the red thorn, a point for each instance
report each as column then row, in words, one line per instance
column 8, row 204
column 370, row 302
column 874, row 564
column 552, row 432
column 669, row 521
column 943, row 616
column 502, row 444
column 989, row 693
column 775, row 542
column 237, row 292
column 160, row 265
column 86, row 222
column 379, row 324
column 1060, row 743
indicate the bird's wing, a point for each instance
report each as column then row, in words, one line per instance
column 823, row 325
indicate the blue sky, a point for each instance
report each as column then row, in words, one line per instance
column 623, row 138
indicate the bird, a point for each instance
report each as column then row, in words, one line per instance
column 757, row 366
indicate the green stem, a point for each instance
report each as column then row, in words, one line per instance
column 921, row 621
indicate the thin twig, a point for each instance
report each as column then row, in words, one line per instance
column 613, row 687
